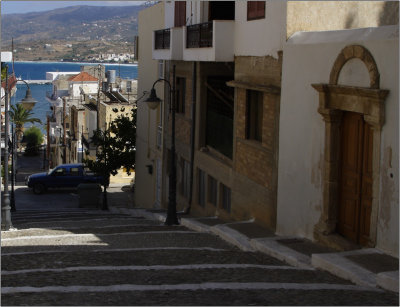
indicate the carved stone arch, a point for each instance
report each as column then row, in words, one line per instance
column 358, row 52
column 335, row 99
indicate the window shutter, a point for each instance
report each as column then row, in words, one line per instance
column 180, row 13
column 255, row 10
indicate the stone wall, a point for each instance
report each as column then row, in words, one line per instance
column 316, row 15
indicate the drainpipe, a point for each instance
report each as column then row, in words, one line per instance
column 192, row 136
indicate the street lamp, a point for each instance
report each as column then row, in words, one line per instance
column 153, row 101
column 28, row 102
column 5, row 208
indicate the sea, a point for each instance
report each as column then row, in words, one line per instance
column 37, row 71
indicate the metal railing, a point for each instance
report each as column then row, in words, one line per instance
column 199, row 35
column 162, row 39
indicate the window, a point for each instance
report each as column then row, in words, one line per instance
column 219, row 115
column 212, row 190
column 60, row 172
column 186, row 179
column 180, row 95
column 74, row 171
column 160, row 69
column 255, row 10
column 254, row 119
column 226, row 198
column 201, row 188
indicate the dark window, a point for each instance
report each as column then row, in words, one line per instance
column 180, row 13
column 212, row 190
column 162, row 39
column 226, row 198
column 221, row 10
column 255, row 10
column 254, row 120
column 202, row 188
column 180, row 94
column 185, row 178
column 219, row 116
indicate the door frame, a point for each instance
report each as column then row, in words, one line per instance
column 333, row 100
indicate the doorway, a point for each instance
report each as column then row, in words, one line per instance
column 355, row 183
column 221, row 10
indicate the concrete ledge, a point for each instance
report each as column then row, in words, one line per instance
column 271, row 247
column 232, row 236
column 338, row 265
column 388, row 281
column 191, row 223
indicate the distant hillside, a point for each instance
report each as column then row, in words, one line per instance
column 74, row 23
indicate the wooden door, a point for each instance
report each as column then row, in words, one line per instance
column 180, row 13
column 355, row 187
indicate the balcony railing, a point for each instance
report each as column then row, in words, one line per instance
column 199, row 35
column 162, row 39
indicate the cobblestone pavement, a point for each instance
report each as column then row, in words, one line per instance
column 75, row 256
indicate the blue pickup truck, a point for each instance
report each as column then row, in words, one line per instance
column 62, row 176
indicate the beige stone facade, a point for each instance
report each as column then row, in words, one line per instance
column 317, row 15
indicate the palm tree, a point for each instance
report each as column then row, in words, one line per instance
column 20, row 116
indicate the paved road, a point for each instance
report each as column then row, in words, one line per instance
column 73, row 256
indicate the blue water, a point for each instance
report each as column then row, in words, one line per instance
column 37, row 71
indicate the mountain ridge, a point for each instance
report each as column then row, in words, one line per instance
column 72, row 23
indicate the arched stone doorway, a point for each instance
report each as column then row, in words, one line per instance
column 338, row 103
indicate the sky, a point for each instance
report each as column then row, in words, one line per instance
column 15, row 7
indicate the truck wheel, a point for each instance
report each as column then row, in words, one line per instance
column 39, row 188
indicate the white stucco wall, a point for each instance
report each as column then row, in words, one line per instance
column 260, row 37
column 88, row 88
column 308, row 58
column 6, row 56
column 150, row 19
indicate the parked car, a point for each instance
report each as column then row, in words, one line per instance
column 62, row 176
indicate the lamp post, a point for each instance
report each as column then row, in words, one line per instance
column 28, row 102
column 12, row 198
column 153, row 101
column 5, row 208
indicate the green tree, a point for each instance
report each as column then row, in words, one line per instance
column 20, row 116
column 3, row 71
column 33, row 138
column 116, row 148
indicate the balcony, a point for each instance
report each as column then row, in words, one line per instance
column 168, row 44
column 200, row 35
column 162, row 39
column 211, row 41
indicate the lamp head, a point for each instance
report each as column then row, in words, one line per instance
column 153, row 101
column 28, row 102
